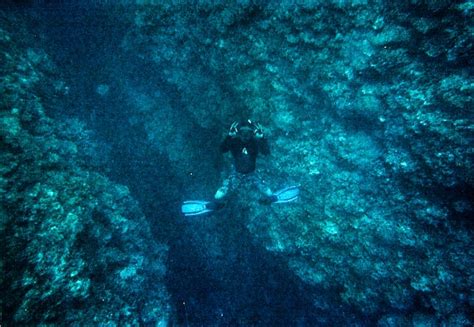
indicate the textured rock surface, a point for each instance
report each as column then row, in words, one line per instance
column 370, row 109
column 76, row 248
column 367, row 105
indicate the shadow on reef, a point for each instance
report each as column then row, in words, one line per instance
column 235, row 283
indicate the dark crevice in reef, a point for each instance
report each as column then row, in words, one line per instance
column 251, row 288
column 255, row 277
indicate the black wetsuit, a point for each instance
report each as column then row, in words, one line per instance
column 245, row 153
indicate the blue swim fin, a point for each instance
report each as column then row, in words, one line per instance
column 288, row 194
column 195, row 208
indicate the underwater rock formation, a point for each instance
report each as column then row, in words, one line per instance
column 370, row 109
column 367, row 105
column 76, row 248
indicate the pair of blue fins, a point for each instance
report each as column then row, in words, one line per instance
column 197, row 207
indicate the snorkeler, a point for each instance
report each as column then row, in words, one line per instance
column 245, row 141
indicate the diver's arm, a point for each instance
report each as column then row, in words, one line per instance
column 263, row 146
column 226, row 144
column 262, row 142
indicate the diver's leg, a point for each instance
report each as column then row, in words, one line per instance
column 228, row 185
column 222, row 191
column 261, row 185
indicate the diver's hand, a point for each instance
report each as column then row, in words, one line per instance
column 233, row 129
column 258, row 131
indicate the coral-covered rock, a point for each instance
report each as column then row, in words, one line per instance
column 368, row 109
column 76, row 247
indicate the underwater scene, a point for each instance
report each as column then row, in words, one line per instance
column 237, row 163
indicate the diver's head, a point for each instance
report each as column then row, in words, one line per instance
column 246, row 130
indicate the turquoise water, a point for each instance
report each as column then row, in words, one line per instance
column 113, row 115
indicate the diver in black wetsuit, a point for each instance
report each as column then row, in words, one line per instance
column 245, row 141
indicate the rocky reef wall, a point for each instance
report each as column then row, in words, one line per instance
column 76, row 248
column 369, row 108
